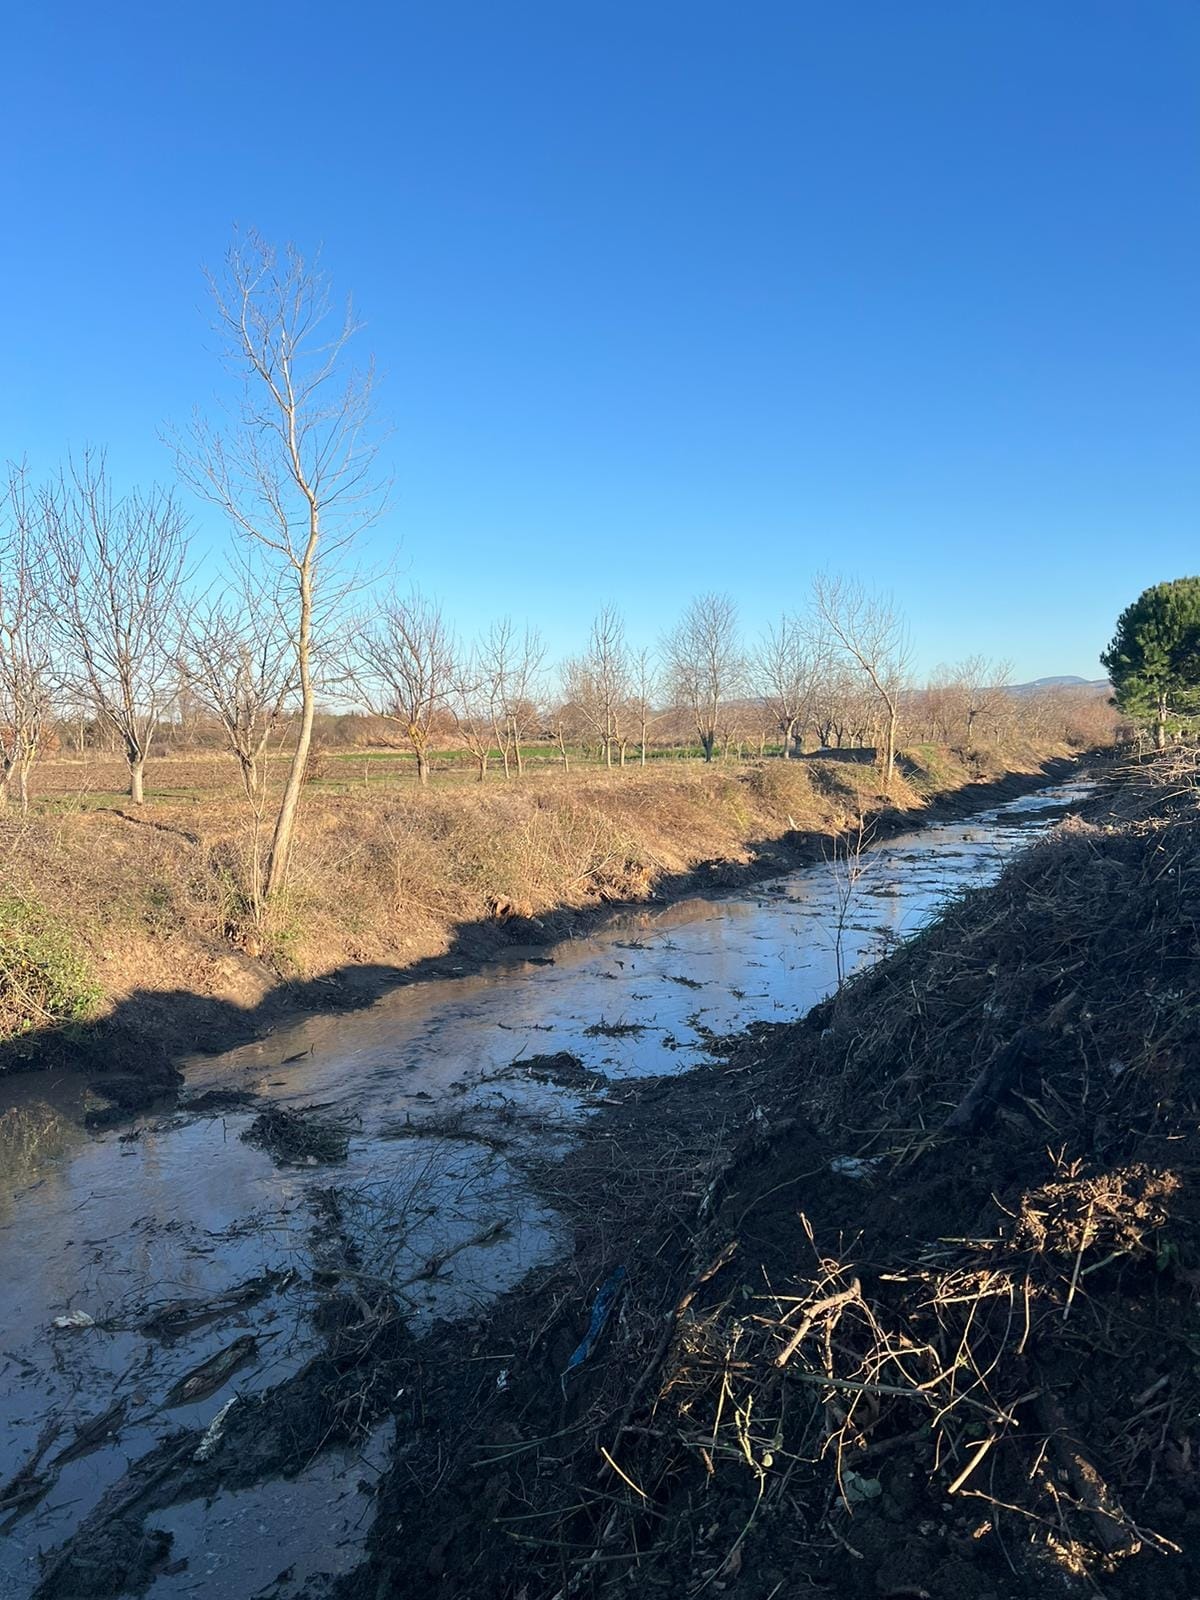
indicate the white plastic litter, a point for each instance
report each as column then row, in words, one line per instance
column 212, row 1434
column 75, row 1319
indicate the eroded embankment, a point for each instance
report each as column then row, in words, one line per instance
column 152, row 952
column 909, row 1292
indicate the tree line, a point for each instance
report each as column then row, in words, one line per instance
column 102, row 616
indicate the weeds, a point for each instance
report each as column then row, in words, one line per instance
column 45, row 980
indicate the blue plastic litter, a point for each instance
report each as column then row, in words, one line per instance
column 606, row 1298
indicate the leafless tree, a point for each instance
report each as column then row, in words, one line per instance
column 405, row 669
column 705, row 664
column 983, row 687
column 598, row 682
column 871, row 635
column 295, row 472
column 510, row 664
column 472, row 706
column 240, row 666
column 115, row 567
column 789, row 667
column 643, row 687
column 25, row 646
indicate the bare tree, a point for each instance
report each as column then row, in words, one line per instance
column 405, row 669
column 241, row 668
column 598, row 683
column 789, row 667
column 871, row 635
column 25, row 648
column 115, row 568
column 510, row 666
column 983, row 687
column 295, row 472
column 705, row 664
column 472, row 706
column 644, row 686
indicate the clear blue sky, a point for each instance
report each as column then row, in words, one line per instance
column 666, row 294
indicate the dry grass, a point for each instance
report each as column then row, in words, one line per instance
column 155, row 896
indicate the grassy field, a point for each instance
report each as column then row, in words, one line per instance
column 148, row 905
column 95, row 780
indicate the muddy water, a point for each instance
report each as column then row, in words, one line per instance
column 430, row 1198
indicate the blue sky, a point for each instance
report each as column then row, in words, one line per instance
column 666, row 295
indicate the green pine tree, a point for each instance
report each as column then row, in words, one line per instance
column 1154, row 658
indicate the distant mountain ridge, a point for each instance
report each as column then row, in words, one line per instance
column 1064, row 681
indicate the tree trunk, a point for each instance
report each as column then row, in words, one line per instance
column 248, row 769
column 708, row 743
column 23, row 785
column 422, row 767
column 137, row 774
column 285, row 823
column 1160, row 726
column 789, row 738
column 889, row 756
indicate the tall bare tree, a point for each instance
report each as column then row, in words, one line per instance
column 295, row 473
column 871, row 635
column 25, row 647
column 405, row 669
column 115, row 566
column 789, row 666
column 705, row 664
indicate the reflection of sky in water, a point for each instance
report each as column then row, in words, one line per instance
column 109, row 1225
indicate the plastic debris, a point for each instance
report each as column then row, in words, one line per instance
column 853, row 1166
column 602, row 1307
column 75, row 1319
column 212, row 1434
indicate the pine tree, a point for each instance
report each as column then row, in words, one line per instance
column 1154, row 658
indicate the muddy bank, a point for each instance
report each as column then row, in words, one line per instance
column 131, row 1057
column 909, row 1292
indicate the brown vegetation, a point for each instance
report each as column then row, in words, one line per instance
column 158, row 902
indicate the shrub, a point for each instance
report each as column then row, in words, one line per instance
column 44, row 979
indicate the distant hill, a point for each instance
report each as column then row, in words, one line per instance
column 1066, row 681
